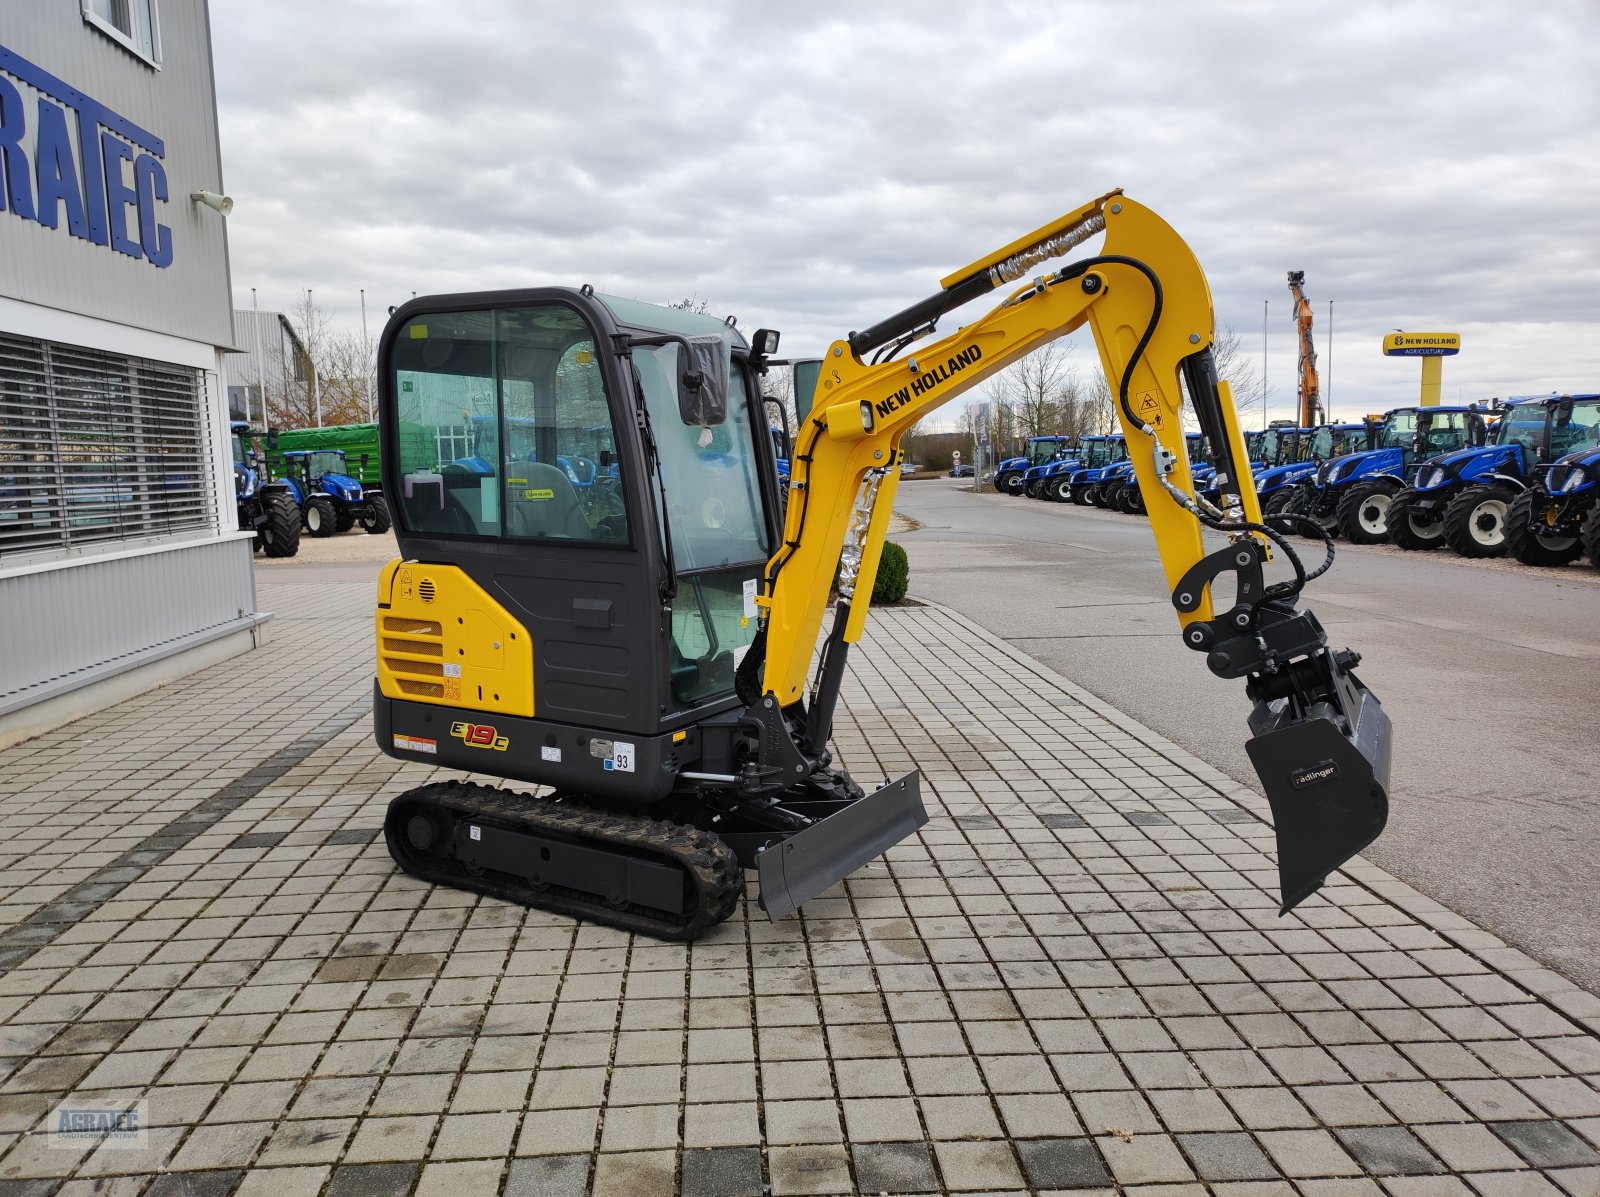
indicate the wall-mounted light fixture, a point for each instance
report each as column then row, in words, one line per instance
column 211, row 199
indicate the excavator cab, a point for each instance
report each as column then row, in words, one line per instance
column 632, row 621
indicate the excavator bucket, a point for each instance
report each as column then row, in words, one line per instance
column 1326, row 776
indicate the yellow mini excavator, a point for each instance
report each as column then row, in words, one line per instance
column 602, row 591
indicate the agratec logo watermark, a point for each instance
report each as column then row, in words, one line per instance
column 112, row 1126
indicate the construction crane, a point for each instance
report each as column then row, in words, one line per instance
column 620, row 607
column 1310, row 389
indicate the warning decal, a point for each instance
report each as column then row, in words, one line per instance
column 1148, row 408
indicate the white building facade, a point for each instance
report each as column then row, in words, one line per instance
column 271, row 360
column 120, row 561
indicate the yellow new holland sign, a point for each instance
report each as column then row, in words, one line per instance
column 1421, row 344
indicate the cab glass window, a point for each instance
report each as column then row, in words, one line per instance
column 1575, row 426
column 715, row 518
column 709, row 475
column 505, row 429
column 1399, row 430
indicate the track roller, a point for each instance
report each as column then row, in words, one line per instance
column 665, row 880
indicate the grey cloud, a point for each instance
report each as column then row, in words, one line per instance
column 816, row 166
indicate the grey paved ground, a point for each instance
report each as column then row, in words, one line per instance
column 1487, row 668
column 1074, row 979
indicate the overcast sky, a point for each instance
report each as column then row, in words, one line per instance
column 814, row 167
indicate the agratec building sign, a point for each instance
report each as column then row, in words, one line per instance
column 71, row 164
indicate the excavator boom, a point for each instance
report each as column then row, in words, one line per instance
column 1322, row 746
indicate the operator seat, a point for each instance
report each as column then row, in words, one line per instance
column 544, row 504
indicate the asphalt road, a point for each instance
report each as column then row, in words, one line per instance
column 1489, row 670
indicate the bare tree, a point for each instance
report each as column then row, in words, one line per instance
column 1036, row 388
column 1234, row 366
column 1238, row 368
column 1099, row 404
column 332, row 379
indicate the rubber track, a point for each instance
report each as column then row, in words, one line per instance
column 714, row 872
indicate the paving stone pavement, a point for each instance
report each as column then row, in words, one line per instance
column 1075, row 979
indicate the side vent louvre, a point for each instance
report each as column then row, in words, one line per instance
column 411, row 650
column 424, row 627
column 425, row 590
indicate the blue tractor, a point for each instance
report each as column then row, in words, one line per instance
column 331, row 499
column 1096, row 455
column 780, row 454
column 1008, row 477
column 1463, row 498
column 1350, row 495
column 1555, row 519
column 1299, row 452
column 1255, row 443
column 1035, row 476
column 1112, row 484
column 1053, row 476
column 266, row 508
column 1281, row 453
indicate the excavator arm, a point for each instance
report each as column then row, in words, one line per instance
column 1310, row 387
column 1321, row 740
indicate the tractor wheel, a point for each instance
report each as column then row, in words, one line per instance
column 1107, row 496
column 1364, row 512
column 375, row 515
column 1524, row 542
column 280, row 535
column 1009, row 484
column 1303, row 503
column 1097, row 494
column 1410, row 529
column 1278, row 501
column 343, row 518
column 1133, row 501
column 1590, row 536
column 1032, row 488
column 1080, row 495
column 1475, row 521
column 320, row 518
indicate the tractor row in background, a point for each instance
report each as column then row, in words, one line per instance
column 1514, row 479
column 1524, row 491
column 1013, row 475
column 309, row 490
column 1520, row 478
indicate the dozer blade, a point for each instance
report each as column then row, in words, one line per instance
column 1328, row 791
column 814, row 860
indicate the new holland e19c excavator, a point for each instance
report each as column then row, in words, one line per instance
column 608, row 603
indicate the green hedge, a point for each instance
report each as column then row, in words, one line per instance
column 894, row 574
